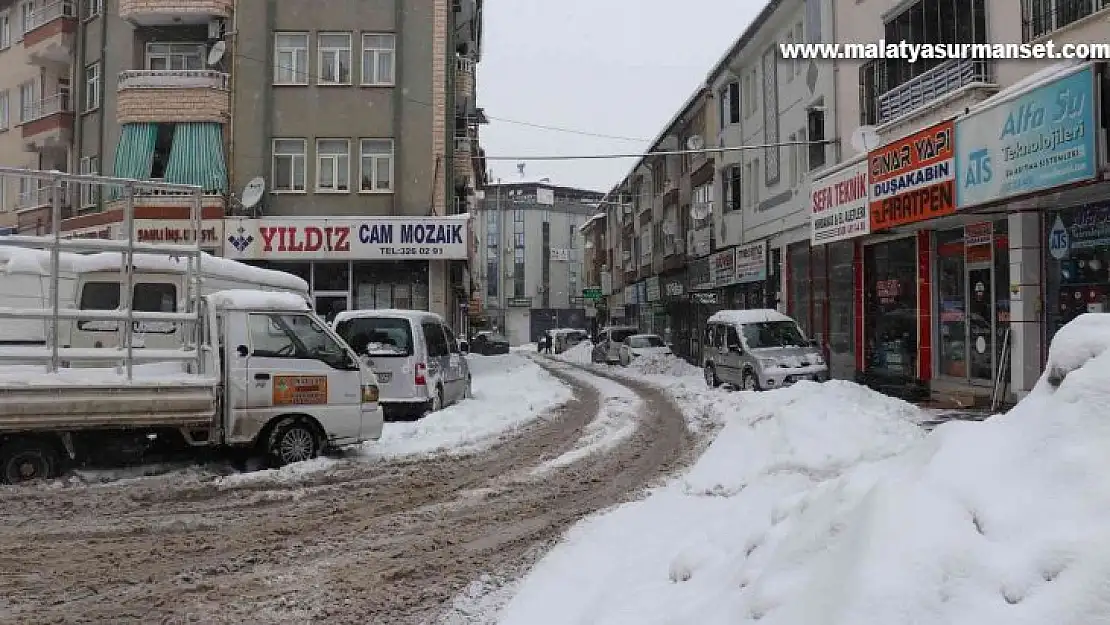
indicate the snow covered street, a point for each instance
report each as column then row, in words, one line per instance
column 386, row 534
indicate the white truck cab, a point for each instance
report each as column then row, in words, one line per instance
column 268, row 375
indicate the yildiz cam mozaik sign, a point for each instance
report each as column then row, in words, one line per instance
column 1042, row 139
column 347, row 238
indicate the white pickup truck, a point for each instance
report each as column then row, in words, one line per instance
column 266, row 375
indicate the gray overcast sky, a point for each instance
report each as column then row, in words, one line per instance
column 615, row 67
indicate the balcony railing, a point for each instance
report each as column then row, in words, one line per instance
column 1042, row 18
column 172, row 79
column 57, row 103
column 48, row 13
column 933, row 84
column 38, row 197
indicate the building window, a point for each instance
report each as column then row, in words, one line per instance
column 175, row 56
column 729, row 103
column 518, row 273
column 92, row 87
column 89, row 166
column 376, row 165
column 163, row 143
column 27, row 100
column 92, row 8
column 26, row 16
column 1040, row 17
column 5, row 30
column 815, row 136
column 734, row 192
column 291, row 58
column 333, row 165
column 5, row 109
column 751, row 191
column 379, row 58
column 289, row 165
column 492, row 279
column 334, row 58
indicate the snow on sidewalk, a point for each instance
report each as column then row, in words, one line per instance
column 509, row 391
column 616, row 421
column 828, row 505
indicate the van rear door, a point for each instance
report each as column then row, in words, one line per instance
column 389, row 347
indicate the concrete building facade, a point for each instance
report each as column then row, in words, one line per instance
column 363, row 111
column 531, row 257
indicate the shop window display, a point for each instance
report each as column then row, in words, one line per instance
column 951, row 288
column 841, row 257
column 890, row 308
column 798, row 267
column 1077, row 245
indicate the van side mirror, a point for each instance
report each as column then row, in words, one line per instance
column 464, row 347
column 242, row 351
column 814, row 343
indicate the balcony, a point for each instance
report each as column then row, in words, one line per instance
column 151, row 96
column 929, row 87
column 50, row 34
column 464, row 77
column 48, row 123
column 172, row 12
column 463, row 162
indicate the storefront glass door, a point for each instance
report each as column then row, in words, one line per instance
column 980, row 325
column 328, row 305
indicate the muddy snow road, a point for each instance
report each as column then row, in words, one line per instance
column 361, row 542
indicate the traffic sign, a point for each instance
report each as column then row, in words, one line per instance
column 593, row 294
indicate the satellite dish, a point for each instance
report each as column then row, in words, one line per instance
column 699, row 210
column 865, row 139
column 695, row 142
column 217, row 52
column 252, row 193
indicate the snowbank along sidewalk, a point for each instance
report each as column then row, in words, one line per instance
column 828, row 505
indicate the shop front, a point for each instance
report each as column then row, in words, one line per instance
column 821, row 275
column 359, row 263
column 911, row 185
column 1032, row 156
column 655, row 310
column 747, row 287
column 680, row 320
column 703, row 302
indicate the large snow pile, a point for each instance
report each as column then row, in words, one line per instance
column 824, row 505
column 663, row 364
column 509, row 391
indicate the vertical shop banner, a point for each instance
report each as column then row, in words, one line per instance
column 838, row 206
column 751, row 262
column 652, row 291
column 722, row 268
column 1040, row 140
column 913, row 179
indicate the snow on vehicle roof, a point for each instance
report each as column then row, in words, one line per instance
column 758, row 315
column 247, row 299
column 394, row 313
column 22, row 260
column 212, row 266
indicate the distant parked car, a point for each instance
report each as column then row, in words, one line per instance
column 641, row 345
column 487, row 343
column 566, row 338
column 609, row 340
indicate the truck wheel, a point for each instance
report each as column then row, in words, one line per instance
column 293, row 441
column 23, row 460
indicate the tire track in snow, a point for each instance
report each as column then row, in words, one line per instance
column 617, row 419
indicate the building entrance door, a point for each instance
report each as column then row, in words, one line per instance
column 980, row 326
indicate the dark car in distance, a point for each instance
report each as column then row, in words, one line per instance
column 489, row 344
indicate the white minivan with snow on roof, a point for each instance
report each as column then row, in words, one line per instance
column 419, row 363
column 759, row 350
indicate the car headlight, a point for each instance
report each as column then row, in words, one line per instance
column 818, row 359
column 369, row 393
column 768, row 362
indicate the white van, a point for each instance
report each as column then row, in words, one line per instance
column 419, row 363
column 25, row 283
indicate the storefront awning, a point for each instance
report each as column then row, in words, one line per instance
column 197, row 157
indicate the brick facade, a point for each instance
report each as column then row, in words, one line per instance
column 439, row 102
column 134, row 9
column 192, row 104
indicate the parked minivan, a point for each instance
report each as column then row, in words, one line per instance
column 419, row 363
column 609, row 340
column 759, row 349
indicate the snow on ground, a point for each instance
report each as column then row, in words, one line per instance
column 616, row 421
column 509, row 391
column 827, row 505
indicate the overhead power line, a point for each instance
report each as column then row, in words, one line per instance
column 584, row 157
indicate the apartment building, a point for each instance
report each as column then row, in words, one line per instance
column 357, row 118
column 531, row 251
